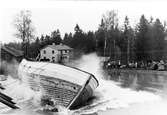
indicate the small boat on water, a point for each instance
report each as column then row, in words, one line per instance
column 67, row 86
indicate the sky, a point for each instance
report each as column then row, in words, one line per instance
column 49, row 15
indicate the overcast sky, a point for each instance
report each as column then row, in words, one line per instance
column 49, row 15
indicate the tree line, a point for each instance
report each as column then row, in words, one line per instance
column 142, row 42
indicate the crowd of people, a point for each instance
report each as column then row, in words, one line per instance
column 147, row 65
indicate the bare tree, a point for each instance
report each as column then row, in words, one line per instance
column 24, row 29
column 110, row 20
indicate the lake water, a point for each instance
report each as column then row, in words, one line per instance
column 153, row 83
column 118, row 93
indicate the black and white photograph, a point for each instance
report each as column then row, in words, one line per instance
column 83, row 57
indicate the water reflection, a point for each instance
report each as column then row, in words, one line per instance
column 140, row 80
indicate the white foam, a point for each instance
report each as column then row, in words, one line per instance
column 109, row 94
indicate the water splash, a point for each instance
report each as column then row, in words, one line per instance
column 107, row 96
column 21, row 94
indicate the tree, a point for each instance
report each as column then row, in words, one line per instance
column 142, row 41
column 90, row 42
column 78, row 38
column 55, row 37
column 68, row 38
column 77, row 29
column 150, row 43
column 128, row 41
column 110, row 19
column 42, row 41
column 65, row 38
column 47, row 40
column 112, row 34
column 100, row 38
column 80, row 41
column 37, row 45
column 159, row 35
column 24, row 29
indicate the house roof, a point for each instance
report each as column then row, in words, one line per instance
column 59, row 47
column 12, row 51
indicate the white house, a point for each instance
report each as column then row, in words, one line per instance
column 55, row 53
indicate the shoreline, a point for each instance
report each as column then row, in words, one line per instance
column 137, row 71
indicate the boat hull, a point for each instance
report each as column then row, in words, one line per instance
column 81, row 100
column 61, row 91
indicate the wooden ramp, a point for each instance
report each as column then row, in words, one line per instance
column 7, row 100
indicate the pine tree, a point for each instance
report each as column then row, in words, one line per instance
column 142, row 41
column 55, row 37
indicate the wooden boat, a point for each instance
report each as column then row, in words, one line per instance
column 67, row 86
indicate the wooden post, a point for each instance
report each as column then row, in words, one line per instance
column 7, row 101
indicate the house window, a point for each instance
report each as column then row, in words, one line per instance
column 65, row 51
column 53, row 51
column 44, row 51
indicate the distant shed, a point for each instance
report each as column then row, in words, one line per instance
column 9, row 53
